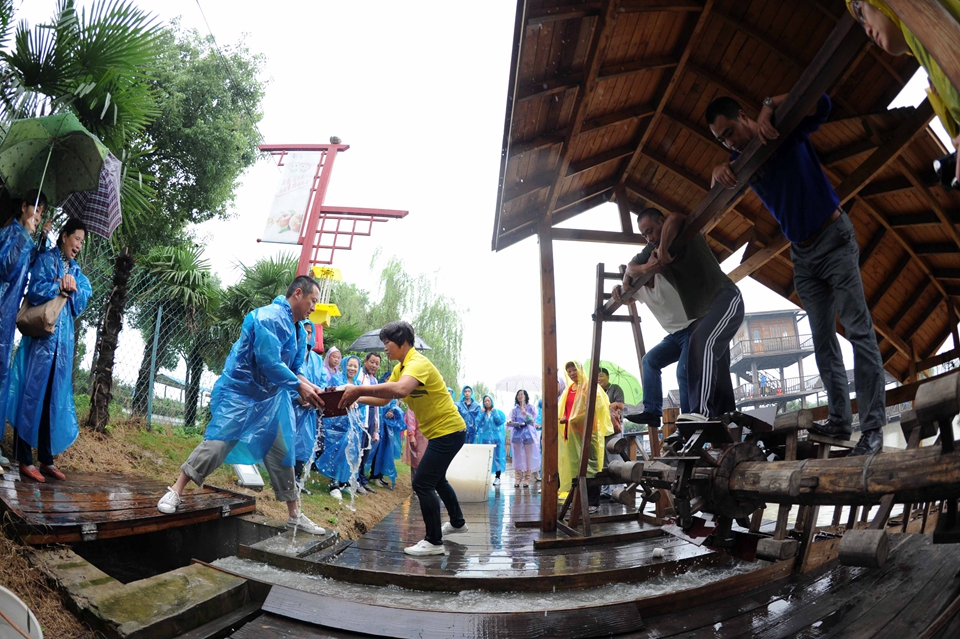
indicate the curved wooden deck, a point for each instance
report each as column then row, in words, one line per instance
column 103, row 505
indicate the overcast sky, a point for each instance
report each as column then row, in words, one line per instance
column 418, row 91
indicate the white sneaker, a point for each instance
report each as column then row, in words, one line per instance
column 336, row 494
column 169, row 502
column 450, row 529
column 302, row 522
column 4, row 461
column 424, row 547
column 496, row 481
column 692, row 417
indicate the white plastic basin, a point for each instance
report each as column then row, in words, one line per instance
column 19, row 614
column 469, row 472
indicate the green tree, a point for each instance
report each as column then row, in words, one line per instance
column 260, row 284
column 183, row 287
column 434, row 316
column 480, row 389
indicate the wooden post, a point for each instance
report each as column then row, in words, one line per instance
column 637, row 337
column 550, row 485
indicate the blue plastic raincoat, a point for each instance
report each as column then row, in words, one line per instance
column 343, row 437
column 306, row 416
column 385, row 452
column 470, row 414
column 16, row 248
column 490, row 431
column 38, row 356
column 252, row 397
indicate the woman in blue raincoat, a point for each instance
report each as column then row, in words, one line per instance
column 343, row 437
column 40, row 403
column 490, row 423
column 16, row 256
column 386, row 451
column 470, row 410
column 306, row 415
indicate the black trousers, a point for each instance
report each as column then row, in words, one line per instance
column 24, row 453
column 431, row 485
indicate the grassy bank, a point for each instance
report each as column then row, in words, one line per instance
column 129, row 448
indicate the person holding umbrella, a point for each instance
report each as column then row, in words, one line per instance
column 16, row 255
column 40, row 402
column 418, row 380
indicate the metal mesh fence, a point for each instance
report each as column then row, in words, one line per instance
column 167, row 357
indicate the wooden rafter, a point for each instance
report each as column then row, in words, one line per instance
column 668, row 93
column 751, row 264
column 746, row 100
column 935, row 248
column 871, row 248
column 946, row 222
column 886, row 153
column 604, row 237
column 791, row 58
column 602, row 32
column 908, row 305
column 891, row 336
column 840, row 47
column 891, row 279
column 923, row 317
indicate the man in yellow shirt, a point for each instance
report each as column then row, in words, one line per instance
column 419, row 383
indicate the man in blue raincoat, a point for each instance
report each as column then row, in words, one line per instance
column 253, row 416
column 470, row 410
column 304, row 413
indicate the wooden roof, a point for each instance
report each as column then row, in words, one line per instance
column 607, row 101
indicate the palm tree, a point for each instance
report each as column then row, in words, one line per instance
column 183, row 287
column 260, row 284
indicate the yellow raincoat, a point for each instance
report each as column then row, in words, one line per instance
column 570, row 437
column 944, row 97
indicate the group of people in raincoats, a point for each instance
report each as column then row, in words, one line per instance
column 363, row 445
column 487, row 424
column 36, row 386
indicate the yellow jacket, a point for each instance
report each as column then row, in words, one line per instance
column 570, row 436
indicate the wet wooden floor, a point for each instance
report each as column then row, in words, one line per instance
column 495, row 554
column 105, row 505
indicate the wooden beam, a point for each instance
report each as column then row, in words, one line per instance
column 840, row 47
column 936, row 248
column 753, row 263
column 637, row 66
column 886, row 153
column 940, row 339
column 623, row 208
column 641, row 6
column 933, row 25
column 791, row 58
column 898, row 183
column 602, row 33
column 892, row 278
column 917, row 219
column 668, row 93
column 891, row 336
column 548, row 87
column 946, row 223
column 701, row 132
column 936, row 360
column 872, row 246
column 847, row 152
column 550, row 139
column 564, row 12
column 549, row 488
column 525, row 188
column 947, row 273
column 908, row 306
column 619, row 118
column 604, row 237
column 652, row 198
column 680, row 171
column 523, row 225
column 601, row 158
column 747, row 101
column 923, row 317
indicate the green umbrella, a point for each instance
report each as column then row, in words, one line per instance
column 54, row 154
column 632, row 389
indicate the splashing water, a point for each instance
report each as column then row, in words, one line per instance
column 318, row 443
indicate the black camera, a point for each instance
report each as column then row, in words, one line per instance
column 946, row 168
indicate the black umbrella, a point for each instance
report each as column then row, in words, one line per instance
column 370, row 342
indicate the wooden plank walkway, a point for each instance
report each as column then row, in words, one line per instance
column 495, row 554
column 105, row 505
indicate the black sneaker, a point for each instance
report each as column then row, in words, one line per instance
column 369, row 489
column 643, row 418
column 833, row 429
column 871, row 442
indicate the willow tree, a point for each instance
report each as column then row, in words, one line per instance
column 435, row 317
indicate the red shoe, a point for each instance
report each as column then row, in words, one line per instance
column 32, row 473
column 53, row 471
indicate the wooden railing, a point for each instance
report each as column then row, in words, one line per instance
column 770, row 345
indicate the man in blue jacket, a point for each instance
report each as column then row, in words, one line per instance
column 253, row 416
column 825, row 254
